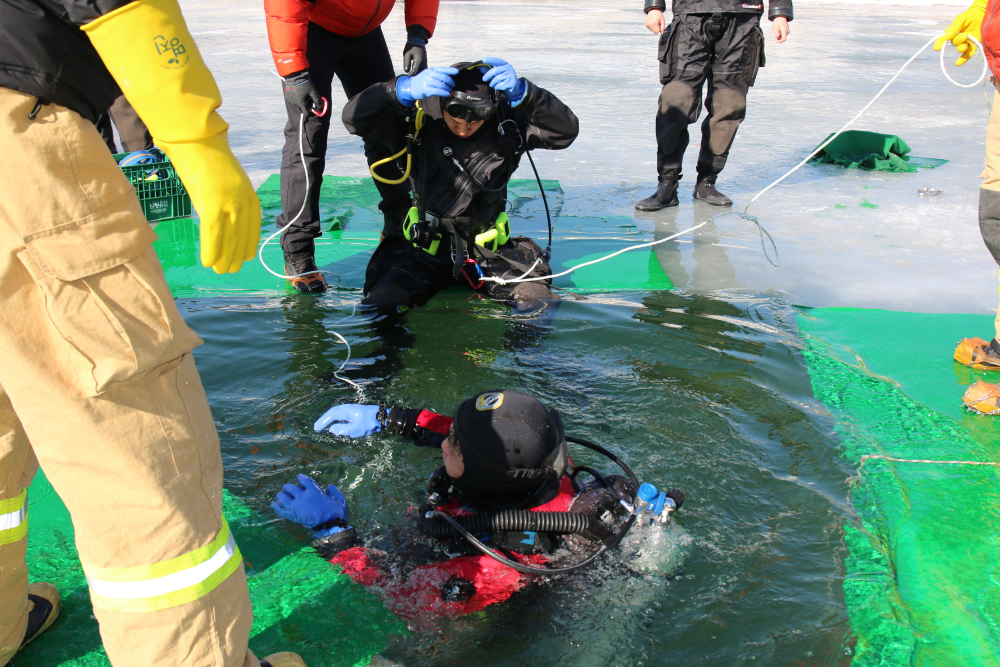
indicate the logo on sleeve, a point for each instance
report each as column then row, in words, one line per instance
column 176, row 53
column 746, row 6
column 490, row 401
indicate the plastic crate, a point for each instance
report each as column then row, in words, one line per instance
column 160, row 190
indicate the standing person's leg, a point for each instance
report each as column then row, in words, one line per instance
column 989, row 197
column 124, row 432
column 985, row 396
column 684, row 63
column 21, row 620
column 739, row 49
column 368, row 63
column 131, row 130
column 303, row 160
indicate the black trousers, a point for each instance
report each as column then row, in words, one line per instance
column 358, row 62
column 724, row 50
column 399, row 274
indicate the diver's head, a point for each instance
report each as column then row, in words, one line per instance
column 470, row 103
column 507, row 449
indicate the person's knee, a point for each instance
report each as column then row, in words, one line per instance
column 386, row 296
column 679, row 100
column 728, row 105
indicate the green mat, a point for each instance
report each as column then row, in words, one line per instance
column 923, row 583
column 299, row 601
column 856, row 149
column 351, row 223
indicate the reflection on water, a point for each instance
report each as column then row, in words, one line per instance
column 706, row 393
column 712, row 269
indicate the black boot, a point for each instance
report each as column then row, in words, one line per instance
column 665, row 195
column 705, row 190
column 302, row 265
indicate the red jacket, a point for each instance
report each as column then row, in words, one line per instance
column 991, row 36
column 414, row 594
column 288, row 23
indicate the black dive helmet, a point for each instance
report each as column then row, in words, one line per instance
column 513, row 448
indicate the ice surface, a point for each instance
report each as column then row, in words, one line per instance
column 903, row 253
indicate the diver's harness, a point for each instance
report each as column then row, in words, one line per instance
column 442, row 525
column 424, row 229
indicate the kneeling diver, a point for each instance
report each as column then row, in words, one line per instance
column 459, row 133
column 507, row 486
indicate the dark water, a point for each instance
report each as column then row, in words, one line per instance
column 708, row 393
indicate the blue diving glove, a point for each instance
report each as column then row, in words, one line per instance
column 502, row 77
column 351, row 419
column 435, row 81
column 306, row 504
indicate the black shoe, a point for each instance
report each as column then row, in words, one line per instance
column 705, row 190
column 307, row 278
column 665, row 195
column 43, row 610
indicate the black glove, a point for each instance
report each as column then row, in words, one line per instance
column 415, row 50
column 301, row 92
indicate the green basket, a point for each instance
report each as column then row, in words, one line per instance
column 160, row 190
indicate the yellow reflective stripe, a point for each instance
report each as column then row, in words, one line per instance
column 162, row 569
column 174, row 582
column 14, row 504
column 14, row 518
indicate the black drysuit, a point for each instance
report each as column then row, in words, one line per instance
column 718, row 41
column 462, row 183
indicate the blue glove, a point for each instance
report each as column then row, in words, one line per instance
column 350, row 419
column 306, row 504
column 435, row 81
column 502, row 77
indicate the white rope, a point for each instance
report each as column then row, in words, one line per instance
column 743, row 214
column 882, row 457
column 982, row 76
column 343, row 340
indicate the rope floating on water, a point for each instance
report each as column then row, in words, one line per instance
column 882, row 457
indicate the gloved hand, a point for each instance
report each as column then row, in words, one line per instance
column 502, row 77
column 361, row 420
column 415, row 50
column 306, row 504
column 301, row 92
column 435, row 81
column 150, row 53
column 969, row 22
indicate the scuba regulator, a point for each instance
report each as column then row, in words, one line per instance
column 647, row 506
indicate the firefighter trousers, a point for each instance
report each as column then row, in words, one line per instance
column 98, row 385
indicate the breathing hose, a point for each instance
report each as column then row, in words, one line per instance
column 407, row 150
column 563, row 523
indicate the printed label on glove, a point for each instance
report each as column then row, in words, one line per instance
column 175, row 54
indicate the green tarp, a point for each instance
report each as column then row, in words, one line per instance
column 922, row 585
column 856, row 149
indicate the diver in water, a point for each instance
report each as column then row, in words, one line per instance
column 506, row 505
column 459, row 133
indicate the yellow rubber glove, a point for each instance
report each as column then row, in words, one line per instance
column 969, row 22
column 149, row 51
